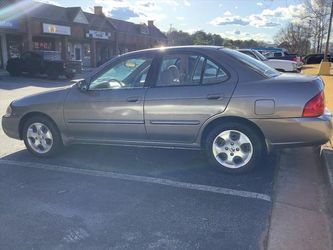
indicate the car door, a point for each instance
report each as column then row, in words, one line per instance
column 112, row 108
column 189, row 89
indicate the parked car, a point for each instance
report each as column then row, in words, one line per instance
column 43, row 62
column 280, row 65
column 230, row 105
column 281, row 55
column 316, row 58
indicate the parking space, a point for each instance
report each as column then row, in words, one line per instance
column 101, row 197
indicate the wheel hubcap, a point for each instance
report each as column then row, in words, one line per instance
column 232, row 149
column 39, row 138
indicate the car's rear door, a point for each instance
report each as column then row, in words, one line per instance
column 112, row 108
column 188, row 89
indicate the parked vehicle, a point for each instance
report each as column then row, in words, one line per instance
column 234, row 107
column 316, row 58
column 281, row 55
column 280, row 65
column 43, row 62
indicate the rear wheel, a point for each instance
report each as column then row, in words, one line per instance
column 41, row 137
column 234, row 147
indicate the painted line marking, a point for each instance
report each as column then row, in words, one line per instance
column 144, row 179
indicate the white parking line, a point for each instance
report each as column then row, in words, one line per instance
column 145, row 179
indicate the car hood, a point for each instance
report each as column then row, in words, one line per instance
column 281, row 61
column 48, row 97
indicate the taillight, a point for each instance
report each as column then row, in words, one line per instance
column 294, row 59
column 315, row 107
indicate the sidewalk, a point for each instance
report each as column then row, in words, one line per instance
column 300, row 218
column 302, row 210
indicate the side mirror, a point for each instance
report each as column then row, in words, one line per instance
column 82, row 85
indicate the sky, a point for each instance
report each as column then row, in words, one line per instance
column 234, row 19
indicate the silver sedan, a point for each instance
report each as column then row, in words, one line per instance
column 195, row 97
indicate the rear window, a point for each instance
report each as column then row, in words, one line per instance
column 256, row 65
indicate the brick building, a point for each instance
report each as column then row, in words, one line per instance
column 91, row 38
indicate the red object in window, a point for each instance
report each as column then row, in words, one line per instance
column 315, row 107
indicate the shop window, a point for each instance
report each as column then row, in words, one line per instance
column 14, row 45
column 43, row 44
column 86, row 50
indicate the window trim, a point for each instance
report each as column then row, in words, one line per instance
column 193, row 53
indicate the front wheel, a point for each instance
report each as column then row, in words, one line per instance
column 234, row 147
column 41, row 137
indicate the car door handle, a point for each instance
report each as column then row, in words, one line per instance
column 133, row 99
column 213, row 96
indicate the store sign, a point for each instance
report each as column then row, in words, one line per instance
column 9, row 24
column 56, row 29
column 98, row 34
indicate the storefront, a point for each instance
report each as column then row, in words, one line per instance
column 11, row 40
column 52, row 37
column 103, row 47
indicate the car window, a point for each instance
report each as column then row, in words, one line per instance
column 128, row 73
column 178, row 70
column 189, row 70
column 25, row 56
column 248, row 53
column 256, row 65
column 213, row 73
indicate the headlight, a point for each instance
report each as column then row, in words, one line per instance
column 9, row 111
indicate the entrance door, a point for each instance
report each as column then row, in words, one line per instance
column 112, row 108
column 78, row 52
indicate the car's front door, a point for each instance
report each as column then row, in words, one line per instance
column 189, row 89
column 112, row 108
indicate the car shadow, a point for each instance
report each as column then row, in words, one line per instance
column 179, row 165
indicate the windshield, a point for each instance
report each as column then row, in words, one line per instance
column 256, row 65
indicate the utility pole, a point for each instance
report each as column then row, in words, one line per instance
column 329, row 34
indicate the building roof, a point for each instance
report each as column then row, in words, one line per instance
column 135, row 29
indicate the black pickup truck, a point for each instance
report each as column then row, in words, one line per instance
column 43, row 62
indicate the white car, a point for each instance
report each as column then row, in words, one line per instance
column 280, row 65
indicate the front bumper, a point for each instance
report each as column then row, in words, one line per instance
column 289, row 132
column 10, row 126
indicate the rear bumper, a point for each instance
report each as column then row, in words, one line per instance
column 294, row 132
column 10, row 126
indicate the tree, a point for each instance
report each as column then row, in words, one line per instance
column 317, row 15
column 294, row 38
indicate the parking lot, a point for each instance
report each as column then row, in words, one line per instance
column 102, row 197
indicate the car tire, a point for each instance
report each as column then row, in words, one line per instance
column 234, row 147
column 41, row 137
column 52, row 74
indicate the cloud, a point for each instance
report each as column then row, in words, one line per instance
column 268, row 18
column 187, row 3
column 227, row 13
column 180, row 18
column 49, row 2
column 260, row 4
column 239, row 35
column 123, row 13
column 229, row 20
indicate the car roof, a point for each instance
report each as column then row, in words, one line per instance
column 183, row 48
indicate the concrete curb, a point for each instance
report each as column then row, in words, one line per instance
column 327, row 162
